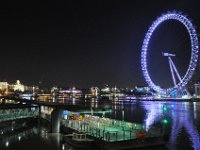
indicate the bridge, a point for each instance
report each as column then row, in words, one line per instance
column 69, row 107
column 13, row 112
column 23, row 108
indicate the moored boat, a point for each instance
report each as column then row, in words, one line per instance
column 78, row 140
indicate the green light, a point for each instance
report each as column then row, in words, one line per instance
column 165, row 108
column 165, row 121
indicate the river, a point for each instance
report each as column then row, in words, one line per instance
column 181, row 121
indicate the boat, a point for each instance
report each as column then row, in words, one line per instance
column 78, row 140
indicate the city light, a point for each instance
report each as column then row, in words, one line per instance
column 7, row 143
column 19, row 138
column 165, row 121
column 165, row 108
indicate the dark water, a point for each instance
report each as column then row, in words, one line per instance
column 182, row 120
column 182, row 124
column 35, row 138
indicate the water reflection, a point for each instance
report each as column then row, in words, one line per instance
column 182, row 117
column 154, row 113
column 32, row 139
column 178, row 116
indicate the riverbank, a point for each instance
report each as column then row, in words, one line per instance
column 159, row 100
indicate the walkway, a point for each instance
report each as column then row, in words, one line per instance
column 110, row 129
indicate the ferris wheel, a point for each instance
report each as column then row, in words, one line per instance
column 178, row 85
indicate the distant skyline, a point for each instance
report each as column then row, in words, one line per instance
column 90, row 43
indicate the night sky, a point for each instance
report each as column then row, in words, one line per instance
column 90, row 43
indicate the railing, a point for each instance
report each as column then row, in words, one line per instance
column 13, row 114
column 45, row 116
column 111, row 130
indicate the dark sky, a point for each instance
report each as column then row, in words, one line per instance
column 88, row 43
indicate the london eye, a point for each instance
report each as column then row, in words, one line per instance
column 181, row 81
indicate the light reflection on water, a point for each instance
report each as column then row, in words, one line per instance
column 183, row 124
column 182, row 118
column 32, row 139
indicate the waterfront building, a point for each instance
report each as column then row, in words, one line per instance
column 4, row 85
column 44, row 96
column 111, row 93
column 4, row 88
column 94, row 91
column 70, row 93
column 105, row 89
column 28, row 96
column 19, row 87
column 54, row 89
column 143, row 89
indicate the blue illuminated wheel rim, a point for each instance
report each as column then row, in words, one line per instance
column 194, row 51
